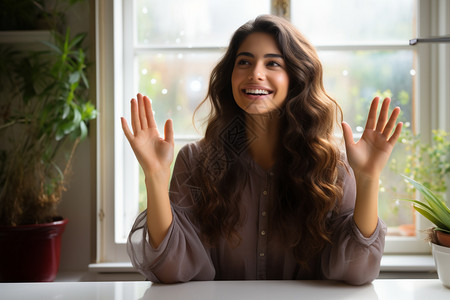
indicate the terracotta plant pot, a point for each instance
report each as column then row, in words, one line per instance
column 30, row 252
column 443, row 238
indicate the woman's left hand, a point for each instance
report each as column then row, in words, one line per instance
column 369, row 155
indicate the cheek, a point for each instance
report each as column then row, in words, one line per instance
column 282, row 83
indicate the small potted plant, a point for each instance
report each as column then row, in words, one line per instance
column 44, row 113
column 435, row 210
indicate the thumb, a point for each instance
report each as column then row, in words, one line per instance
column 168, row 132
column 348, row 134
column 126, row 129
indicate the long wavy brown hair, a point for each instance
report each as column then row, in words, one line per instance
column 308, row 186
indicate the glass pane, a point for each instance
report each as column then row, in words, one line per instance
column 343, row 21
column 176, row 82
column 354, row 78
column 194, row 22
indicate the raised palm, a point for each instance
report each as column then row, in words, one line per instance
column 370, row 154
column 154, row 153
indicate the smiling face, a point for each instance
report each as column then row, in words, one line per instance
column 259, row 80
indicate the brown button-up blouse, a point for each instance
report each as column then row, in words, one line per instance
column 182, row 256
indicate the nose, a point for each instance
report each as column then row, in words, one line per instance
column 256, row 73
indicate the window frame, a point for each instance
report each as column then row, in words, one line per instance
column 429, row 113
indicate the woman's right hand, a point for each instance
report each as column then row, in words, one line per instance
column 155, row 154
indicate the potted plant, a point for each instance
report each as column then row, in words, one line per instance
column 44, row 113
column 435, row 210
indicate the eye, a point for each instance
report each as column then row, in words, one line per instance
column 273, row 64
column 242, row 62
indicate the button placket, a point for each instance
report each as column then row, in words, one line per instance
column 263, row 234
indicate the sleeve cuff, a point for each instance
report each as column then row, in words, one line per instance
column 367, row 241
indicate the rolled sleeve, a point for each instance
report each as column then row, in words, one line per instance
column 181, row 256
column 352, row 257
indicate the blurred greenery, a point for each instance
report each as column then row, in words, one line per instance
column 354, row 78
column 427, row 163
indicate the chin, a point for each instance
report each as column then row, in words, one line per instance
column 255, row 110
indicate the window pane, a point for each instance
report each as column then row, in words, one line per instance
column 331, row 21
column 354, row 78
column 193, row 22
column 176, row 82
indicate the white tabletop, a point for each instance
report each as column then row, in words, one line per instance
column 383, row 289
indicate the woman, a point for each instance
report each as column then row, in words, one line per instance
column 267, row 194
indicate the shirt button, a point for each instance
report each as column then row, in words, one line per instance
column 264, row 213
column 263, row 232
column 261, row 254
column 265, row 193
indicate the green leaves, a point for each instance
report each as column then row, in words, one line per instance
column 428, row 163
column 434, row 209
column 45, row 112
column 71, row 110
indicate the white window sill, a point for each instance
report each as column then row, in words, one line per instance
column 407, row 263
column 118, row 267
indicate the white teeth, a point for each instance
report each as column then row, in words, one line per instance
column 257, row 91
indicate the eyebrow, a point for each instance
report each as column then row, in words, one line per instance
column 265, row 55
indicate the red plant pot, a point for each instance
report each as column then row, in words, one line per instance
column 30, row 252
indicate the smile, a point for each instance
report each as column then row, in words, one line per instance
column 257, row 92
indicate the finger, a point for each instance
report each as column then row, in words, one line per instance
column 372, row 116
column 126, row 129
column 348, row 134
column 168, row 132
column 149, row 112
column 384, row 112
column 391, row 123
column 142, row 112
column 135, row 123
column 396, row 134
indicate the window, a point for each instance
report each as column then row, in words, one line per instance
column 364, row 49
column 364, row 57
column 166, row 50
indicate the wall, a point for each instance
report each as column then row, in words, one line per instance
column 77, row 201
